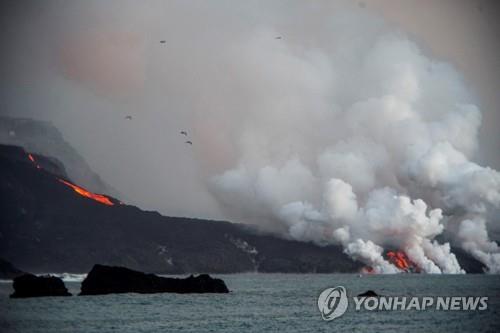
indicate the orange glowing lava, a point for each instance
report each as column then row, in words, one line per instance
column 400, row 260
column 80, row 190
column 32, row 159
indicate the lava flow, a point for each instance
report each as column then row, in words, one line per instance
column 80, row 190
column 398, row 259
column 83, row 192
column 401, row 261
column 32, row 159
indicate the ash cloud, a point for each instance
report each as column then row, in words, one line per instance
column 344, row 130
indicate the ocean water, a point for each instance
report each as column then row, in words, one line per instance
column 257, row 303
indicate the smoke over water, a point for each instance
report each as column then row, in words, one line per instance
column 366, row 144
column 335, row 128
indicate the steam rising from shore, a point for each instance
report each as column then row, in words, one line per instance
column 369, row 147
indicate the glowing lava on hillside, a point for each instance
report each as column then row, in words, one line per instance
column 78, row 189
column 83, row 192
column 32, row 159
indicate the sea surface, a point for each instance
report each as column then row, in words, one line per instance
column 257, row 303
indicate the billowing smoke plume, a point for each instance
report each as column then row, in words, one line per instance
column 367, row 145
column 313, row 119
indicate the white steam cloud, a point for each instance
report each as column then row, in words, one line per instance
column 366, row 144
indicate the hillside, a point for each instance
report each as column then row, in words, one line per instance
column 43, row 138
column 49, row 226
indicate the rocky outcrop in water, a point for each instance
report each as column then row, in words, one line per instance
column 29, row 285
column 112, row 280
column 369, row 293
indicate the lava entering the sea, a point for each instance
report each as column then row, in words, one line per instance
column 401, row 261
column 398, row 259
column 83, row 192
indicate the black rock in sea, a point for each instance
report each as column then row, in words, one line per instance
column 369, row 293
column 29, row 285
column 111, row 280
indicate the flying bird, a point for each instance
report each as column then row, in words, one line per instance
column 184, row 133
column 128, row 117
column 277, row 37
column 163, row 41
column 189, row 142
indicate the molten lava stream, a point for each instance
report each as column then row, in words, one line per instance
column 32, row 159
column 83, row 192
column 400, row 260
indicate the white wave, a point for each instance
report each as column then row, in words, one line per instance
column 68, row 277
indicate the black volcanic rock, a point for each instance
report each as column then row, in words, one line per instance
column 369, row 293
column 8, row 271
column 29, row 285
column 47, row 227
column 19, row 154
column 114, row 280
